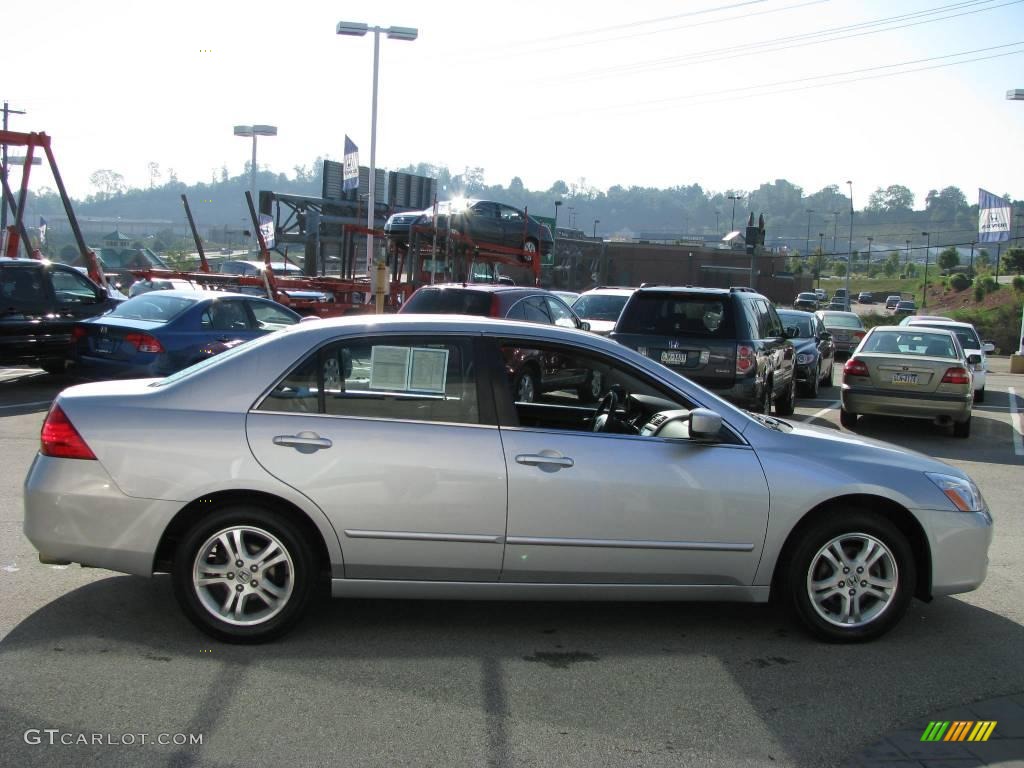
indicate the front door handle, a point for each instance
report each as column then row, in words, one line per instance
column 544, row 460
column 305, row 442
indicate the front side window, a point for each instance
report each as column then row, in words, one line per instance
column 510, row 215
column 401, row 378
column 269, row 317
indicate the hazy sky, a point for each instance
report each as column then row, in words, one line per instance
column 724, row 93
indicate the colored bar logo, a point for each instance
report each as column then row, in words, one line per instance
column 959, row 730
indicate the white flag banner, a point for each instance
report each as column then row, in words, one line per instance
column 994, row 215
column 267, row 228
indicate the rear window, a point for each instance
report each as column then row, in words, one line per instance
column 911, row 343
column 968, row 338
column 679, row 314
column 152, row 306
column 449, row 301
column 807, row 297
column 842, row 321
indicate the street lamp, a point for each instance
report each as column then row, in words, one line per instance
column 734, row 198
column 807, row 242
column 358, row 29
column 870, row 239
column 835, row 230
column 907, row 263
column 718, row 226
column 596, row 222
column 254, row 131
column 849, row 253
column 928, row 250
column 821, row 247
column 554, row 229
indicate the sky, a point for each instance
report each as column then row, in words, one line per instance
column 727, row 94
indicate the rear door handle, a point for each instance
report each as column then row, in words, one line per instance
column 540, row 460
column 306, row 442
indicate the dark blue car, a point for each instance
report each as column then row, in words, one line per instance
column 158, row 333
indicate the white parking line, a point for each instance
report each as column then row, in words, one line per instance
column 831, row 406
column 25, row 405
column 1015, row 424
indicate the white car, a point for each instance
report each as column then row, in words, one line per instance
column 970, row 341
column 601, row 307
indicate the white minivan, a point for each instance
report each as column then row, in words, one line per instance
column 971, row 343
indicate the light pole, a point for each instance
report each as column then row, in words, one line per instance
column 907, row 263
column 596, row 222
column 928, row 250
column 718, row 225
column 821, row 247
column 849, row 253
column 807, row 242
column 835, row 230
column 734, row 198
column 359, row 29
column 554, row 230
column 254, row 131
column 870, row 239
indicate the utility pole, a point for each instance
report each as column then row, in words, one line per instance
column 821, row 248
column 3, row 201
column 907, row 262
column 734, row 198
column 927, row 251
column 870, row 239
column 807, row 242
column 849, row 253
column 835, row 231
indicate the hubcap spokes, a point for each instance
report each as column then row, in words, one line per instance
column 243, row 575
column 852, row 580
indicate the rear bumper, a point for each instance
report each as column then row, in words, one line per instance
column 743, row 392
column 104, row 368
column 959, row 543
column 75, row 512
column 875, row 402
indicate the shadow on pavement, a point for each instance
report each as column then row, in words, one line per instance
column 609, row 683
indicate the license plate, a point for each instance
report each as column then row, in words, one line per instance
column 673, row 358
column 841, row 337
column 904, row 378
column 105, row 346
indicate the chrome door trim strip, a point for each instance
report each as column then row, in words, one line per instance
column 707, row 546
column 470, row 538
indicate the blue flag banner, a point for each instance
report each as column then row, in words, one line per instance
column 267, row 228
column 994, row 216
column 350, row 175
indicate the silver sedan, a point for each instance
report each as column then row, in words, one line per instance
column 388, row 458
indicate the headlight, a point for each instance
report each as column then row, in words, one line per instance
column 804, row 359
column 963, row 493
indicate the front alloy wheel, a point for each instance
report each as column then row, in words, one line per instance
column 851, row 576
column 243, row 574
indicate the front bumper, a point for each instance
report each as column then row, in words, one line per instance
column 75, row 512
column 959, row 543
column 876, row 402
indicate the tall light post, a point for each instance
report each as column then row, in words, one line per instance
column 927, row 251
column 254, row 131
column 718, row 225
column 907, row 263
column 807, row 242
column 734, row 198
column 554, row 230
column 359, row 29
column 870, row 239
column 596, row 222
column 849, row 253
column 821, row 248
column 835, row 230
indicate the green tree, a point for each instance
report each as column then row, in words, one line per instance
column 983, row 259
column 895, row 197
column 107, row 182
column 1013, row 260
column 892, row 264
column 840, row 269
column 949, row 258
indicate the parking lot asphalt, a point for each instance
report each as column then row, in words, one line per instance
column 389, row 683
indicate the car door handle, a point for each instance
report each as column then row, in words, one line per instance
column 304, row 441
column 540, row 460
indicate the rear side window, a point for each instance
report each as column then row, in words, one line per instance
column 449, row 301
column 679, row 314
column 152, row 306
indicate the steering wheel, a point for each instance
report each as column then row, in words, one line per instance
column 605, row 409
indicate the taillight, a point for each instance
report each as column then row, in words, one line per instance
column 60, row 439
column 78, row 332
column 745, row 359
column 858, row 335
column 956, row 375
column 855, row 367
column 143, row 342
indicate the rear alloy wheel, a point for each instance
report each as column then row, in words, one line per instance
column 851, row 576
column 243, row 574
column 524, row 388
column 785, row 405
column 847, row 419
column 962, row 428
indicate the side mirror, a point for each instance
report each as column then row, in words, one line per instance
column 974, row 359
column 704, row 424
column 988, row 347
column 584, row 325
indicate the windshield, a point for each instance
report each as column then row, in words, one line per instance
column 600, row 307
column 841, row 320
column 154, row 307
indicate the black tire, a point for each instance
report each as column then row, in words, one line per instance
column 590, row 390
column 764, row 401
column 54, row 367
column 979, row 396
column 525, row 386
column 850, row 528
column 847, row 419
column 962, row 428
column 812, row 388
column 829, row 380
column 303, row 570
column 786, row 404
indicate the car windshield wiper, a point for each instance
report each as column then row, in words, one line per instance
column 769, row 421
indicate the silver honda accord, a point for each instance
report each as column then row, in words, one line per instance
column 389, row 457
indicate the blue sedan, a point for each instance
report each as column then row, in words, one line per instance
column 158, row 333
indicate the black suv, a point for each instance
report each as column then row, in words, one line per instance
column 40, row 303
column 729, row 340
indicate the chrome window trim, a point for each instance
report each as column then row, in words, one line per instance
column 376, row 418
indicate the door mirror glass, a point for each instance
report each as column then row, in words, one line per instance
column 704, row 424
column 988, row 347
column 584, row 325
column 974, row 359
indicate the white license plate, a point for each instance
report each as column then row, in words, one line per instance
column 904, row 378
column 673, row 358
column 105, row 346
